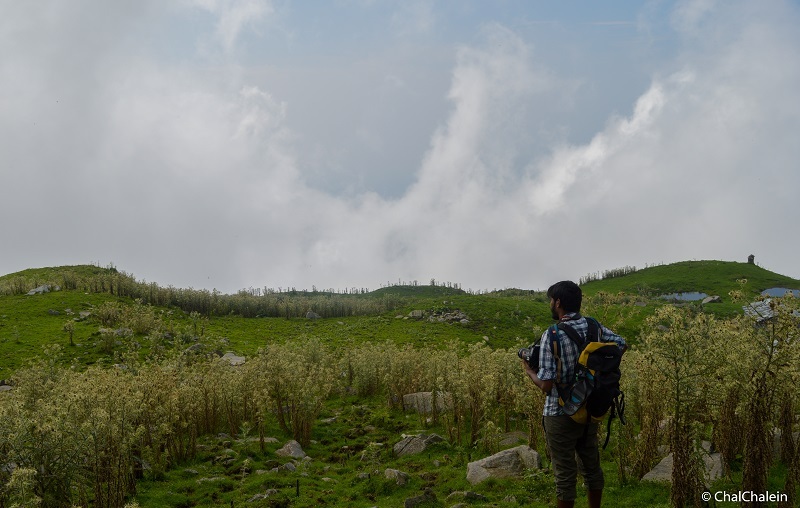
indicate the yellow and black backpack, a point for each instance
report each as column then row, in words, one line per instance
column 594, row 393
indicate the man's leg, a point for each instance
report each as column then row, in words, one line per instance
column 588, row 453
column 562, row 438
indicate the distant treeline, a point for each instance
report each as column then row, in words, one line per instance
column 267, row 302
column 607, row 274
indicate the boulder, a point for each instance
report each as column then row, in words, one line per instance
column 416, row 314
column 312, row 315
column 398, row 476
column 411, row 445
column 291, row 449
column 422, row 402
column 505, row 464
column 777, row 454
column 427, row 497
column 514, row 438
column 712, row 462
column 233, row 359
column 712, row 299
column 45, row 288
column 465, row 495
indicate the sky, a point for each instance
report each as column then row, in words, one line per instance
column 230, row 144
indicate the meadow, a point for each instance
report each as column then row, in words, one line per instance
column 119, row 395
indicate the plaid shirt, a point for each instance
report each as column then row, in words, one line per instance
column 568, row 351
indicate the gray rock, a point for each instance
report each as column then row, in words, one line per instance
column 312, row 315
column 776, row 443
column 291, row 449
column 712, row 462
column 398, row 476
column 233, row 359
column 422, row 402
column 45, row 288
column 416, row 314
column 411, row 445
column 712, row 299
column 465, row 495
column 514, row 438
column 427, row 497
column 505, row 464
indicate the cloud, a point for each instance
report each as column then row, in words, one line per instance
column 233, row 16
column 191, row 175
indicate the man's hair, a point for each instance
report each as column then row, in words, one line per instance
column 569, row 293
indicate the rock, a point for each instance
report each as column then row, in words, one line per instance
column 233, row 359
column 312, row 315
column 291, row 449
column 194, row 348
column 84, row 314
column 514, row 438
column 45, row 288
column 776, row 443
column 505, row 464
column 5, row 388
column 412, row 445
column 53, row 312
column 465, row 495
column 422, row 402
column 398, row 476
column 416, row 314
column 712, row 299
column 712, row 467
column 427, row 497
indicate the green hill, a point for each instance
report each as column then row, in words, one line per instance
column 248, row 320
column 711, row 277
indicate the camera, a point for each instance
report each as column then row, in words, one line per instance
column 531, row 355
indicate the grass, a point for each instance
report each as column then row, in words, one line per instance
column 234, row 470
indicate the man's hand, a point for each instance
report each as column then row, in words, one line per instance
column 544, row 386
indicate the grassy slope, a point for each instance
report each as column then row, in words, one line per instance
column 712, row 277
column 27, row 323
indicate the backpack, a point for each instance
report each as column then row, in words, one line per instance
column 594, row 393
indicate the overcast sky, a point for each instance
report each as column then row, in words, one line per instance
column 349, row 143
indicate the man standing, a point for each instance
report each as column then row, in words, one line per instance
column 573, row 446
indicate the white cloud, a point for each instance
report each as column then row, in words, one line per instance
column 191, row 176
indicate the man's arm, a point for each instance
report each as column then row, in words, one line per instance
column 544, row 386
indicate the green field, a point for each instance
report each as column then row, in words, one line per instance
column 113, row 333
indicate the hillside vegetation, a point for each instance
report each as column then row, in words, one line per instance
column 119, row 393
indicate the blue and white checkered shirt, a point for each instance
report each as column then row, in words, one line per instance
column 568, row 351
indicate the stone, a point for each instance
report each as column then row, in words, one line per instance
column 427, row 497
column 291, row 449
column 712, row 463
column 776, row 443
column 422, row 402
column 465, row 495
column 233, row 359
column 398, row 476
column 312, row 315
column 712, row 299
column 514, row 438
column 45, row 288
column 505, row 464
column 412, row 445
column 416, row 314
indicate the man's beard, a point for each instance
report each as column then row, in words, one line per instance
column 553, row 312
